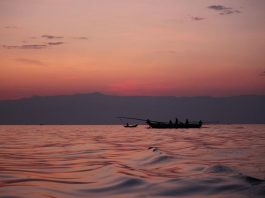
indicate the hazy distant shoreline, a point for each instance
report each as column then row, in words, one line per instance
column 121, row 124
column 100, row 109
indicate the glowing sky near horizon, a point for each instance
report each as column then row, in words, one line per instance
column 132, row 47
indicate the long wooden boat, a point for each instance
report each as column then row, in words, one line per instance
column 163, row 125
column 167, row 125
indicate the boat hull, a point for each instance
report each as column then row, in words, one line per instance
column 174, row 126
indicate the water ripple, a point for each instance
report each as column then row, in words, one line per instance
column 111, row 161
column 43, row 180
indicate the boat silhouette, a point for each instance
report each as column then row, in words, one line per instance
column 166, row 125
column 170, row 125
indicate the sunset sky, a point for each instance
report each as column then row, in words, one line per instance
column 132, row 47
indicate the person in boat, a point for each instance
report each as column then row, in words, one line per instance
column 170, row 122
column 200, row 122
column 148, row 121
column 187, row 122
column 176, row 122
column 127, row 124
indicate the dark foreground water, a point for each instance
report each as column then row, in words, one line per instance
column 112, row 161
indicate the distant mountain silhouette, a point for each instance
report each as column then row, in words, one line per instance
column 97, row 108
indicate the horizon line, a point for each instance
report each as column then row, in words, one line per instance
column 116, row 95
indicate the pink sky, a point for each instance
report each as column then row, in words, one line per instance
column 132, row 47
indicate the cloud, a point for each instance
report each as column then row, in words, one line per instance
column 30, row 61
column 223, row 10
column 218, row 7
column 51, row 36
column 197, row 18
column 11, row 27
column 81, row 38
column 230, row 12
column 24, row 46
column 55, row 43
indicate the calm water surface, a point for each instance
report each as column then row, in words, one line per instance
column 112, row 161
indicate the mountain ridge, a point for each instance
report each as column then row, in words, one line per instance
column 98, row 108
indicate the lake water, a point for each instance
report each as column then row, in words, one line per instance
column 113, row 161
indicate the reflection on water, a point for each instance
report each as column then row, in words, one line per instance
column 112, row 161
